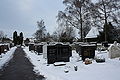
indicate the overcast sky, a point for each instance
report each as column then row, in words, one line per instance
column 22, row 15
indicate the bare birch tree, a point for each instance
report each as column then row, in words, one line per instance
column 76, row 14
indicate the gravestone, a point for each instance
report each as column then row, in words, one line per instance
column 39, row 48
column 58, row 53
column 31, row 47
column 0, row 49
column 6, row 47
column 114, row 50
column 3, row 48
column 45, row 51
column 86, row 50
column 51, row 54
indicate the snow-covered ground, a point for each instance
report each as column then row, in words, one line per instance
column 4, row 58
column 108, row 70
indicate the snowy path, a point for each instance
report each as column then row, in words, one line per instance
column 19, row 68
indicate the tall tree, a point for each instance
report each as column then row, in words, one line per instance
column 105, row 11
column 41, row 32
column 21, row 38
column 15, row 38
column 76, row 14
column 112, row 33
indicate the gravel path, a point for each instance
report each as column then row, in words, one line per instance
column 19, row 68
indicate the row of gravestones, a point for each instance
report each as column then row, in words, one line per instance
column 5, row 47
column 59, row 52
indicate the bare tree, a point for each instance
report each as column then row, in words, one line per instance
column 41, row 32
column 70, row 32
column 76, row 14
column 64, row 34
column 55, row 36
column 1, row 34
column 105, row 11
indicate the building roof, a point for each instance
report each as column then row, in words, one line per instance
column 93, row 33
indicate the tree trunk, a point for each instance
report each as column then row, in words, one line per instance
column 105, row 27
column 81, row 24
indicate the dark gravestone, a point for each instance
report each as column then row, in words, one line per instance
column 39, row 48
column 6, row 47
column 64, row 52
column 87, row 51
column 2, row 49
column 105, row 44
column 51, row 54
column 58, row 53
column 31, row 47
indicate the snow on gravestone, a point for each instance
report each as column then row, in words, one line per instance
column 114, row 50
